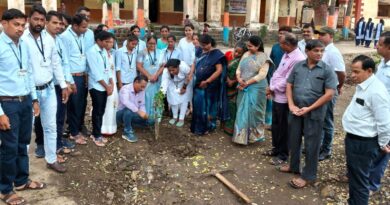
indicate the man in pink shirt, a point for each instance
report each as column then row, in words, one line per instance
column 131, row 108
column 277, row 90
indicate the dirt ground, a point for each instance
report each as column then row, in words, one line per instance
column 175, row 169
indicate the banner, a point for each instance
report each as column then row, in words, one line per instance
column 237, row 6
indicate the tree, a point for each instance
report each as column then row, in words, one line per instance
column 320, row 11
column 347, row 19
column 332, row 17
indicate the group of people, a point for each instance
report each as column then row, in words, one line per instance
column 50, row 67
column 365, row 32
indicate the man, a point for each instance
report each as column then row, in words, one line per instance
column 46, row 66
column 131, row 109
column 311, row 84
column 53, row 28
column 126, row 62
column 100, row 83
column 18, row 98
column 367, row 124
column 277, row 89
column 307, row 34
column 89, row 37
column 382, row 74
column 334, row 59
column 75, row 45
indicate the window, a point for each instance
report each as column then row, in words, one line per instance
column 178, row 5
column 31, row 2
column 383, row 8
column 122, row 5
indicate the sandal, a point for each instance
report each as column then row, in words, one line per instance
column 61, row 159
column 27, row 186
column 285, row 168
column 80, row 140
column 13, row 199
column 104, row 139
column 99, row 142
column 270, row 153
column 299, row 185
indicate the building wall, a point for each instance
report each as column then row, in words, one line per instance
column 286, row 18
column 370, row 10
column 3, row 5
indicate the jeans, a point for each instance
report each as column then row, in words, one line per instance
column 311, row 130
column 76, row 106
column 280, row 129
column 60, row 116
column 129, row 118
column 14, row 163
column 48, row 105
column 328, row 130
column 361, row 156
column 378, row 171
column 99, row 100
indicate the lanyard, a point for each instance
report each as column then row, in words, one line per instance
column 80, row 45
column 170, row 56
column 59, row 49
column 104, row 59
column 151, row 59
column 130, row 59
column 41, row 49
column 17, row 57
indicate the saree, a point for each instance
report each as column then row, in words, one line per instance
column 209, row 103
column 251, row 102
column 232, row 91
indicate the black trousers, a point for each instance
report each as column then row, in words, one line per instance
column 99, row 100
column 280, row 139
column 362, row 154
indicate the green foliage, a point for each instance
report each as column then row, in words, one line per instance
column 109, row 2
column 158, row 104
column 263, row 32
column 377, row 58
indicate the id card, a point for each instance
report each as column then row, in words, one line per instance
column 177, row 90
column 45, row 63
column 106, row 70
column 22, row 72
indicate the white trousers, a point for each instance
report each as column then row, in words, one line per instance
column 183, row 110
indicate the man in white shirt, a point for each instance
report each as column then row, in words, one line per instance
column 334, row 59
column 367, row 124
column 46, row 65
column 307, row 34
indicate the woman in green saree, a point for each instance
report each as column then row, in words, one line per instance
column 251, row 99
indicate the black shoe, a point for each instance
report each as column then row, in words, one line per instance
column 324, row 155
column 56, row 167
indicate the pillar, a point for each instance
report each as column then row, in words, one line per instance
column 196, row 10
column 49, row 5
column 16, row 4
column 358, row 9
column 135, row 9
column 104, row 13
column 299, row 12
column 116, row 11
column 253, row 14
column 188, row 9
column 272, row 13
column 214, row 11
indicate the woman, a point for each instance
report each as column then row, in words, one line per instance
column 208, row 100
column 231, row 87
column 378, row 31
column 141, row 44
column 251, row 100
column 149, row 64
column 162, row 43
column 171, row 52
column 174, row 84
column 359, row 31
column 368, row 33
column 109, row 118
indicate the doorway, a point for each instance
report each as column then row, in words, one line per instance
column 205, row 11
column 154, row 10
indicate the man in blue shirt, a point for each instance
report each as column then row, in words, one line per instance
column 100, row 83
column 73, row 39
column 126, row 62
column 46, row 66
column 17, row 99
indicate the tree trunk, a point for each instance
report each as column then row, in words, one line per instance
column 321, row 15
column 332, row 14
column 347, row 20
column 349, row 8
column 110, row 19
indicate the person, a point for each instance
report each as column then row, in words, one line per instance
column 277, row 89
column 369, row 32
column 109, row 126
column 171, row 52
column 367, row 125
column 231, row 86
column 53, row 28
column 66, row 20
column 276, row 56
column 186, row 20
column 46, row 66
column 334, row 59
column 210, row 64
column 135, row 30
column 18, row 98
column 383, row 73
column 307, row 34
column 100, row 83
column 174, row 85
column 89, row 37
column 187, row 48
column 380, row 27
column 74, row 44
column 251, row 101
column 149, row 64
column 205, row 28
column 126, row 62
column 311, row 84
column 162, row 43
column 131, row 109
column 99, row 28
column 359, row 31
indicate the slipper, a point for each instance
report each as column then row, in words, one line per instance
column 61, row 159
column 80, row 141
column 280, row 169
column 104, row 139
column 270, row 153
column 13, row 201
column 293, row 183
column 28, row 186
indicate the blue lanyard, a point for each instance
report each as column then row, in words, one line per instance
column 41, row 49
column 130, row 61
column 104, row 59
column 17, row 57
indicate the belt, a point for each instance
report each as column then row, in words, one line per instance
column 357, row 137
column 44, row 86
column 13, row 98
column 78, row 74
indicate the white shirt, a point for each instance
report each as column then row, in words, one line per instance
column 46, row 64
column 187, row 50
column 383, row 73
column 368, row 114
column 172, row 86
column 333, row 58
column 302, row 46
